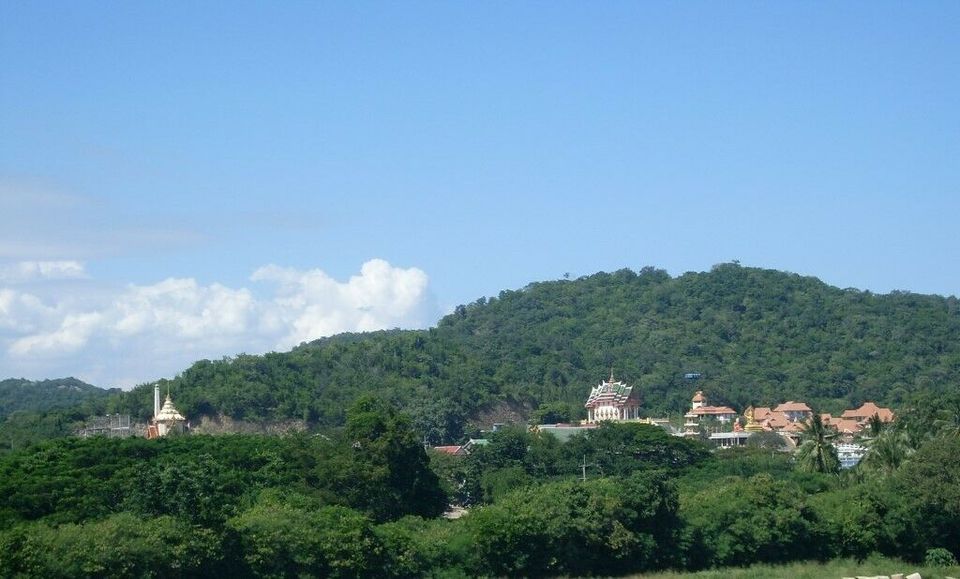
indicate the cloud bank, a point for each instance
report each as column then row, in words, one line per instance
column 143, row 332
column 26, row 271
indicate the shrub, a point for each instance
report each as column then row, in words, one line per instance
column 939, row 557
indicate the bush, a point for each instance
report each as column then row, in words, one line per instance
column 939, row 557
column 738, row 522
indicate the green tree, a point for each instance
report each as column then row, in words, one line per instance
column 282, row 540
column 384, row 470
column 739, row 522
column 816, row 452
column 608, row 526
column 122, row 545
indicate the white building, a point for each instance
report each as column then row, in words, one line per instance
column 166, row 419
column 612, row 400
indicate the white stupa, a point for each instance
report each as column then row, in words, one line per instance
column 166, row 419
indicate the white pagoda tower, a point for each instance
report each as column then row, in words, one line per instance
column 166, row 419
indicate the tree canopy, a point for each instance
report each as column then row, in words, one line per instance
column 753, row 336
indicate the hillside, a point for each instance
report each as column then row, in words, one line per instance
column 17, row 394
column 756, row 336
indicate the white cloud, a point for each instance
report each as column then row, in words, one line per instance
column 23, row 312
column 73, row 334
column 143, row 332
column 25, row 271
column 312, row 304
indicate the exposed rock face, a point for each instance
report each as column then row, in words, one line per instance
column 226, row 425
column 503, row 413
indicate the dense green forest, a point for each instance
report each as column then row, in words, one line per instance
column 19, row 395
column 756, row 337
column 32, row 411
column 364, row 500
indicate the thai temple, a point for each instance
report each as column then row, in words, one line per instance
column 700, row 409
column 166, row 419
column 612, row 400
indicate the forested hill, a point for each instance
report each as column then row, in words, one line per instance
column 17, row 394
column 756, row 337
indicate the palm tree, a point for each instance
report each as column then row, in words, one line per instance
column 885, row 453
column 875, row 426
column 816, row 452
column 948, row 421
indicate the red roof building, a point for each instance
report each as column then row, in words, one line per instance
column 868, row 411
column 454, row 450
column 795, row 411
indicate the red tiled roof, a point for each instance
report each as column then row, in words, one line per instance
column 867, row 411
column 792, row 406
column 761, row 413
column 776, row 420
column 794, row 427
column 699, row 397
column 846, row 425
column 447, row 449
column 713, row 410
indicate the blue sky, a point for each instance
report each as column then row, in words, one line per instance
column 186, row 180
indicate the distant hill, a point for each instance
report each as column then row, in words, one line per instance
column 755, row 336
column 17, row 394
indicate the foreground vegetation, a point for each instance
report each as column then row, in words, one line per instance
column 872, row 566
column 365, row 501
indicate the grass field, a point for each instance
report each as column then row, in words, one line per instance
column 816, row 570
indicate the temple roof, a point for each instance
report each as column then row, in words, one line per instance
column 846, row 425
column 699, row 397
column 761, row 413
column 611, row 394
column 713, row 410
column 169, row 412
column 792, row 406
column 867, row 411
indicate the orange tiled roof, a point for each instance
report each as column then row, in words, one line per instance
column 713, row 410
column 867, row 411
column 792, row 406
column 447, row 449
column 761, row 413
column 846, row 426
column 776, row 421
column 795, row 427
column 699, row 397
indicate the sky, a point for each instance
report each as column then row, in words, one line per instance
column 187, row 180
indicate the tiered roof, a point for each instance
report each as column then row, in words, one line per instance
column 610, row 393
column 169, row 412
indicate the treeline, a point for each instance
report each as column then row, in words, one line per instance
column 31, row 411
column 40, row 396
column 365, row 501
column 755, row 336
